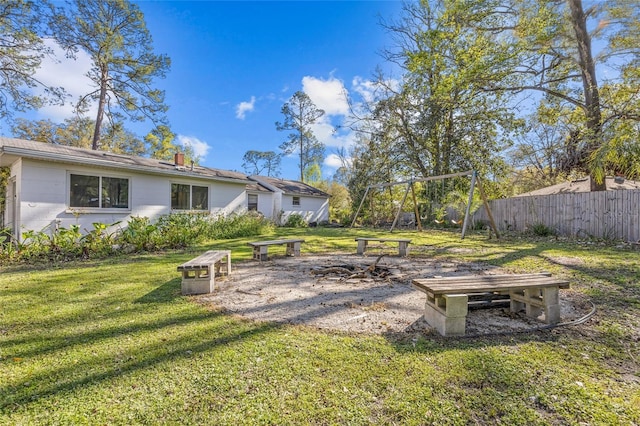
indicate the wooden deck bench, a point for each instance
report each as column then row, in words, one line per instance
column 260, row 248
column 448, row 298
column 403, row 244
column 198, row 274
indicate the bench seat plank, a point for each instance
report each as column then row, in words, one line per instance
column 392, row 240
column 274, row 242
column 202, row 261
column 485, row 283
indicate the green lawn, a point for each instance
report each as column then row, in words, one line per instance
column 114, row 342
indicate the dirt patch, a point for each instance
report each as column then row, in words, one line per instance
column 290, row 290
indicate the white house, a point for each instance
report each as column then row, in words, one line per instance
column 289, row 197
column 54, row 186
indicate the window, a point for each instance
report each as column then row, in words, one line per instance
column 189, row 197
column 200, row 198
column 252, row 202
column 98, row 192
column 296, row 201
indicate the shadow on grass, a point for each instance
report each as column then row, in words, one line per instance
column 165, row 293
column 409, row 342
column 109, row 354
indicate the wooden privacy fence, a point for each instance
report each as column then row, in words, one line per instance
column 605, row 214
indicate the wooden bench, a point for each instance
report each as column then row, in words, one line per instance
column 448, row 298
column 403, row 244
column 198, row 275
column 260, row 248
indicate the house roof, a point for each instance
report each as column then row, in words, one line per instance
column 583, row 185
column 256, row 187
column 289, row 187
column 11, row 149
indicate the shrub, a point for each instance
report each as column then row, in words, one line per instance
column 140, row 234
column 98, row 242
column 58, row 244
column 542, row 230
column 238, row 226
column 179, row 230
column 176, row 230
column 295, row 221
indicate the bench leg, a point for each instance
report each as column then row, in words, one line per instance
column 263, row 253
column 551, row 298
column 531, row 309
column 223, row 266
column 535, row 301
column 293, row 249
column 362, row 246
column 198, row 281
column 403, row 249
column 447, row 314
column 260, row 253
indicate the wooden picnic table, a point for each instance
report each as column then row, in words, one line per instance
column 448, row 297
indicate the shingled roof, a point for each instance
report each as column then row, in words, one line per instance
column 290, row 187
column 11, row 149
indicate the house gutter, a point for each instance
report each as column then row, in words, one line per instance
column 182, row 171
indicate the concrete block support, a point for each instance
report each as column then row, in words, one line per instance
column 447, row 314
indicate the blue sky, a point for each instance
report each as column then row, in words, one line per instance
column 235, row 63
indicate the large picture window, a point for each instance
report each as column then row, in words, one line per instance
column 98, row 192
column 189, row 197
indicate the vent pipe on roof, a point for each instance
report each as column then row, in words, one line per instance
column 179, row 159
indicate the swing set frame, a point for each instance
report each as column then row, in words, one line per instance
column 475, row 180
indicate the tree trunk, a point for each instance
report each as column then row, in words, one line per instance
column 590, row 87
column 101, row 102
column 300, row 130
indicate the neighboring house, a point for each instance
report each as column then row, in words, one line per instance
column 583, row 185
column 53, row 186
column 292, row 197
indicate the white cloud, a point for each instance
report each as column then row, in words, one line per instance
column 365, row 88
column 329, row 95
column 243, row 107
column 200, row 148
column 333, row 161
column 328, row 135
column 332, row 96
column 60, row 71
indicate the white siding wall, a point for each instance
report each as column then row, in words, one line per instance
column 312, row 209
column 227, row 198
column 265, row 204
column 43, row 196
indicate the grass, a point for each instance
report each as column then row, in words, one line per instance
column 114, row 342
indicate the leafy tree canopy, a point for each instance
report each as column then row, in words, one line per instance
column 22, row 26
column 261, row 163
column 300, row 113
column 115, row 36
